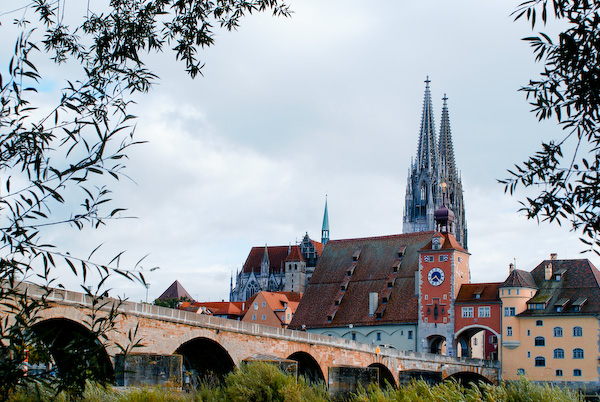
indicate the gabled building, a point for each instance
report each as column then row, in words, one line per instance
column 550, row 323
column 478, row 306
column 433, row 178
column 279, row 268
column 276, row 269
column 275, row 309
column 364, row 289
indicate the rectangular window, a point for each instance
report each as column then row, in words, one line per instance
column 508, row 331
column 428, row 258
column 443, row 258
column 264, row 304
column 354, row 336
column 410, row 334
column 253, row 317
column 484, row 312
column 378, row 336
column 264, row 316
column 467, row 312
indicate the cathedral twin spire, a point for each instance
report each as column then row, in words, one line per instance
column 433, row 179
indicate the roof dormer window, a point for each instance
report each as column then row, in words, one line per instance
column 401, row 251
column 356, row 255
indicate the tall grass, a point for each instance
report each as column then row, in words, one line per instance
column 262, row 382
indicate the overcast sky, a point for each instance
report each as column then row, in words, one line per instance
column 329, row 102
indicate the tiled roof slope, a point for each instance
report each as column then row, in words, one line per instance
column 175, row 291
column 277, row 256
column 519, row 279
column 295, row 255
column 580, row 281
column 448, row 243
column 488, row 292
column 371, row 273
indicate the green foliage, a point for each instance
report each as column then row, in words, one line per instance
column 286, row 388
column 568, row 89
column 170, row 303
column 420, row 391
column 57, row 161
column 264, row 382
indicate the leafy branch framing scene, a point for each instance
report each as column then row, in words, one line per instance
column 57, row 162
column 566, row 170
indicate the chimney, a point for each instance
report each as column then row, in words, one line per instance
column 373, row 296
column 553, row 257
column 548, row 272
column 511, row 267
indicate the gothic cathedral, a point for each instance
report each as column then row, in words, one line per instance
column 433, row 180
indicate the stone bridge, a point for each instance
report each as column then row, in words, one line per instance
column 218, row 345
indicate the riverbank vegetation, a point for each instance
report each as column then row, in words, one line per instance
column 262, row 382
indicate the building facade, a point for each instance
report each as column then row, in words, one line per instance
column 276, row 269
column 550, row 323
column 433, row 178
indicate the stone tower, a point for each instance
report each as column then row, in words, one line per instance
column 433, row 179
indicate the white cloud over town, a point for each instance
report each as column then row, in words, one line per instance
column 326, row 102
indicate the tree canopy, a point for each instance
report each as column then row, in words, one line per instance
column 56, row 163
column 565, row 171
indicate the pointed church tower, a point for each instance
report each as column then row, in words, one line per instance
column 422, row 185
column 325, row 228
column 449, row 175
column 433, row 174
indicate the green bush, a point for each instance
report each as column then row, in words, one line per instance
column 420, row 391
column 263, row 382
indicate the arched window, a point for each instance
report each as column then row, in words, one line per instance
column 577, row 373
column 539, row 341
column 521, row 371
column 558, row 332
column 577, row 331
column 577, row 353
column 251, row 289
column 539, row 323
column 559, row 373
column 423, row 192
column 540, row 361
column 559, row 353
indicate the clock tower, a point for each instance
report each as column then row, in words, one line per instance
column 443, row 268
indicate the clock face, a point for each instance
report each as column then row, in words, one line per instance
column 435, row 276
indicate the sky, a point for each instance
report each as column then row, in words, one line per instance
column 328, row 103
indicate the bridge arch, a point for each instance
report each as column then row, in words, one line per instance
column 74, row 348
column 308, row 366
column 468, row 377
column 385, row 375
column 205, row 357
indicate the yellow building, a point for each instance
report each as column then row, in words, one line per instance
column 550, row 323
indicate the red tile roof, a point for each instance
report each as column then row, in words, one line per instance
column 448, row 243
column 277, row 256
column 295, row 255
column 219, row 308
column 488, row 292
column 175, row 291
column 370, row 273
